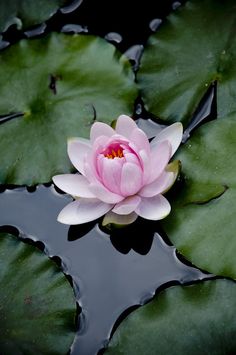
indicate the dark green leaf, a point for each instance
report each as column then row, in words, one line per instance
column 60, row 84
column 202, row 223
column 25, row 13
column 37, row 306
column 195, row 47
column 196, row 320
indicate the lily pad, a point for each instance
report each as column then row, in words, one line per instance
column 25, row 13
column 52, row 89
column 187, row 54
column 197, row 319
column 202, row 223
column 37, row 306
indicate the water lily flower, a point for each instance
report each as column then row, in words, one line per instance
column 122, row 175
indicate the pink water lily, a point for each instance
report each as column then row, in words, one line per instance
column 122, row 175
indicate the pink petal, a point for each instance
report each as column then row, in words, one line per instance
column 173, row 134
column 83, row 210
column 131, row 158
column 100, row 129
column 73, row 184
column 113, row 218
column 145, row 159
column 131, row 179
column 77, row 149
column 111, row 173
column 125, row 125
column 154, row 208
column 103, row 194
column 160, row 155
column 99, row 164
column 90, row 172
column 120, row 139
column 139, row 138
column 99, row 144
column 158, row 186
column 127, row 206
column 90, row 169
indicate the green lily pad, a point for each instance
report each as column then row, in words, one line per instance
column 60, row 84
column 37, row 306
column 195, row 47
column 202, row 222
column 25, row 13
column 197, row 319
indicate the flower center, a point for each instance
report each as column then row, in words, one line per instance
column 114, row 152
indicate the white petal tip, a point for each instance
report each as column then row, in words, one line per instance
column 124, row 116
column 125, row 125
column 62, row 220
column 159, row 218
column 177, row 126
column 154, row 208
column 172, row 133
column 54, row 178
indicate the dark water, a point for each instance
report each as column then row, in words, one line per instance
column 129, row 21
column 109, row 274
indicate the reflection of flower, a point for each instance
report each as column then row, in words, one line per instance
column 123, row 175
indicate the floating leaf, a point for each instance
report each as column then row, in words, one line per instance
column 197, row 319
column 202, row 223
column 187, row 54
column 51, row 89
column 25, row 13
column 37, row 306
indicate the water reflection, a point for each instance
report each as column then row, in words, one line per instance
column 36, row 31
column 176, row 5
column 113, row 37
column 155, row 24
column 134, row 54
column 73, row 28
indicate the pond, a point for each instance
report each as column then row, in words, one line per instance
column 150, row 287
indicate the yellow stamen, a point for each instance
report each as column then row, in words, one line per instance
column 114, row 154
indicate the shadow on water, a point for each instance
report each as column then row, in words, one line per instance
column 110, row 273
column 137, row 237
